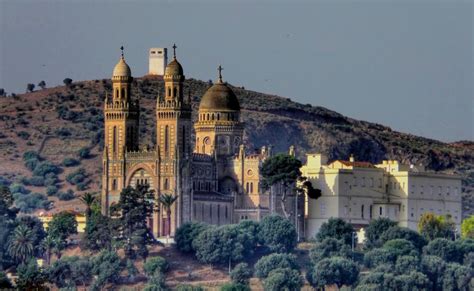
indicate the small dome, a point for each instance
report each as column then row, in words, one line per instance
column 122, row 69
column 219, row 98
column 174, row 68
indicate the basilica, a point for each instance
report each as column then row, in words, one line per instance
column 214, row 179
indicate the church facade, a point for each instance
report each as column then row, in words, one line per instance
column 213, row 178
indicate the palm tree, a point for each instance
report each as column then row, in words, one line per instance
column 48, row 245
column 88, row 199
column 167, row 201
column 20, row 245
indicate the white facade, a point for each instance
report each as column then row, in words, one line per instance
column 158, row 59
column 359, row 192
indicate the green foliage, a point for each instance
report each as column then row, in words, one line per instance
column 186, row 233
column 251, row 229
column 18, row 188
column 31, row 164
column 77, row 176
column 234, row 287
column 6, row 196
column 274, row 261
column 135, row 207
column 107, row 266
column 397, row 232
column 44, row 168
column 336, row 228
column 329, row 247
column 70, row 162
column 98, row 233
column 221, row 245
column 280, row 168
column 70, row 271
column 30, row 277
column 51, row 190
column 277, row 233
column 335, row 270
column 42, row 84
column 433, row 226
column 132, row 271
column 156, row 283
column 30, row 202
column 62, row 225
column 183, row 287
column 400, row 247
column 377, row 257
column 406, row 264
column 84, row 153
column 433, row 267
column 67, row 81
column 37, row 181
column 30, row 87
column 88, row 200
column 283, row 279
column 66, row 196
column 23, row 134
column 37, row 231
column 155, row 265
column 445, row 249
column 21, row 244
column 457, row 277
column 241, row 274
column 467, row 227
column 375, row 229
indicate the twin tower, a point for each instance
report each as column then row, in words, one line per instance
column 176, row 166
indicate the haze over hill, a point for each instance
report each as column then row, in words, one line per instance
column 59, row 121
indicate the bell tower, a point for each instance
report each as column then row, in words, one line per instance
column 173, row 129
column 121, row 117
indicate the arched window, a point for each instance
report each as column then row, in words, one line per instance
column 247, row 187
column 169, row 91
column 166, row 185
column 218, row 116
column 251, row 187
column 114, row 139
column 370, row 211
column 362, row 211
column 175, row 92
column 212, row 117
column 114, row 184
column 123, row 93
column 166, row 140
column 116, row 93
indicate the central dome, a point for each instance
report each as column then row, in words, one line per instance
column 219, row 98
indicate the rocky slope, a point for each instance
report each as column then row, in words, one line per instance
column 57, row 122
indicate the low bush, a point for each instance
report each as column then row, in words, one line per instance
column 155, row 265
column 70, row 162
column 51, row 190
column 66, row 196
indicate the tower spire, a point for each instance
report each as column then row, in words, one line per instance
column 219, row 70
column 174, row 50
column 121, row 48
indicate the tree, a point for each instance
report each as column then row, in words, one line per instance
column 70, row 271
column 336, row 228
column 433, row 226
column 183, row 287
column 6, row 196
column 375, row 229
column 30, row 87
column 251, row 230
column 241, row 274
column 20, row 245
column 221, row 245
column 155, row 265
column 84, row 153
column 334, row 271
column 283, row 279
column 271, row 262
column 167, row 200
column 5, row 282
column 329, row 247
column 107, row 266
column 42, row 84
column 156, row 283
column 377, row 257
column 401, row 247
column 410, row 281
column 457, row 277
column 135, row 206
column 433, row 267
column 396, row 232
column 406, row 264
column 98, row 234
column 37, row 231
column 30, row 277
column 88, row 199
column 62, row 225
column 2, row 92
column 67, row 81
column 467, row 227
column 277, row 233
column 281, row 169
column 186, row 233
column 445, row 249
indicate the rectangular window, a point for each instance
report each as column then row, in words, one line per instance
column 380, row 210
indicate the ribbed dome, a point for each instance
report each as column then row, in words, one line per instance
column 174, row 68
column 122, row 69
column 219, row 98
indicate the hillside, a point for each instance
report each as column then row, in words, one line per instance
column 58, row 122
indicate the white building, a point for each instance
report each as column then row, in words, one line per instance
column 360, row 191
column 158, row 59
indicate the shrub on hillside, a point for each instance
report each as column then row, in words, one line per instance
column 51, row 190
column 31, row 164
column 18, row 188
column 31, row 155
column 44, row 168
column 77, row 176
column 155, row 265
column 30, row 202
column 283, row 279
column 37, row 181
column 70, row 162
column 396, row 232
column 66, row 196
column 183, row 287
column 336, row 228
column 234, row 287
column 241, row 274
column 84, row 153
column 23, row 135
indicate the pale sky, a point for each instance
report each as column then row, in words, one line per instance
column 404, row 64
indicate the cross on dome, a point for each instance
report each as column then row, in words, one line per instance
column 174, row 50
column 219, row 69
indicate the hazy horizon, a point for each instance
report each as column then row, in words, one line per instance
column 407, row 65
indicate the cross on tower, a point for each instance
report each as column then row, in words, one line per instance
column 219, row 69
column 121, row 48
column 174, row 50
